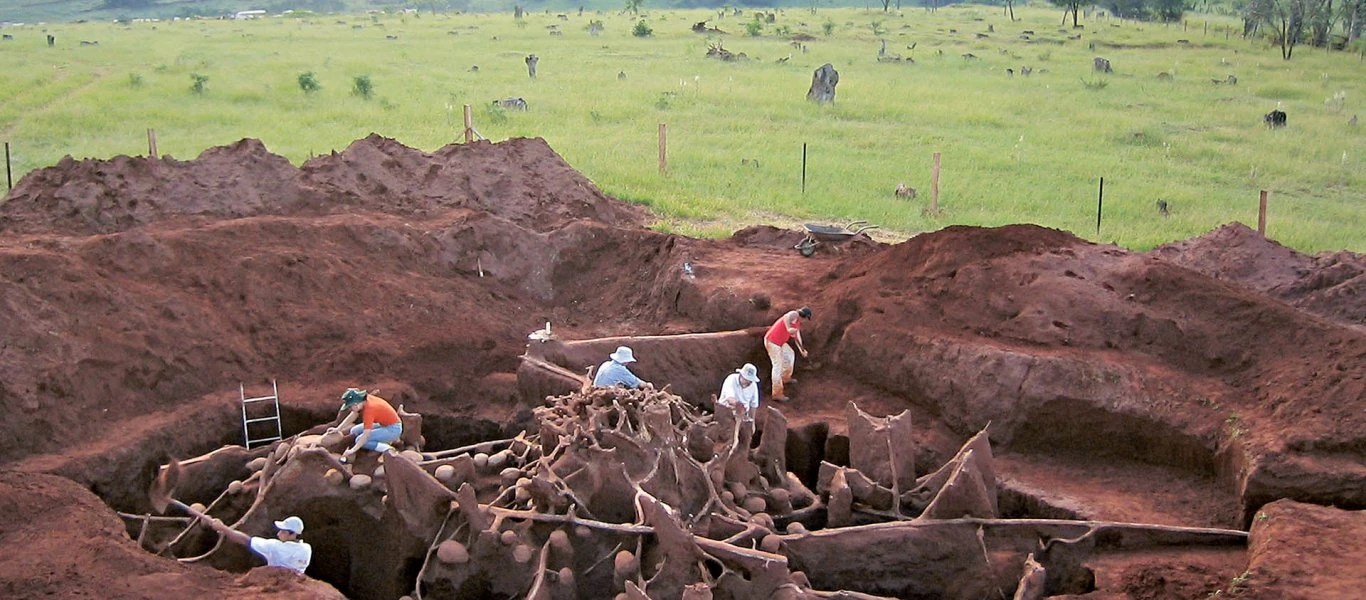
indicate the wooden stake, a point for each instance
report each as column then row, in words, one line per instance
column 469, row 125
column 9, row 179
column 934, row 185
column 151, row 143
column 1261, row 214
column 803, row 168
column 663, row 149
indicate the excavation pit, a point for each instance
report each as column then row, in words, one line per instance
column 1137, row 405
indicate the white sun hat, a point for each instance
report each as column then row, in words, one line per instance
column 749, row 372
column 623, row 355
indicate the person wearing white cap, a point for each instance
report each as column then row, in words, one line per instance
column 285, row 550
column 741, row 390
column 614, row 371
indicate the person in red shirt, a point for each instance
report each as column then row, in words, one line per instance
column 787, row 327
column 379, row 426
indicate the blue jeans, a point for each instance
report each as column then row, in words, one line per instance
column 386, row 434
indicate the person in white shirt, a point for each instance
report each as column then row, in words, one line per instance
column 741, row 390
column 286, row 550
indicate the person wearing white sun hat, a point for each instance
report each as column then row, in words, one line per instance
column 614, row 372
column 286, row 550
column 741, row 390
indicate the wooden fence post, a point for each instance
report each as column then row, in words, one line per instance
column 663, row 150
column 152, row 143
column 469, row 125
column 803, row 168
column 9, row 179
column 1100, row 204
column 1261, row 214
column 934, row 185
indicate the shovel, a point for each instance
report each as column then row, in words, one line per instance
column 164, row 486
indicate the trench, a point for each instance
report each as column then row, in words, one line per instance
column 364, row 558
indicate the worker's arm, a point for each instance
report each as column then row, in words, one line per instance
column 797, row 336
column 347, row 422
column 630, row 380
column 231, row 534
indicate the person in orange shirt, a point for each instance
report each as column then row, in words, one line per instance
column 379, row 426
column 787, row 327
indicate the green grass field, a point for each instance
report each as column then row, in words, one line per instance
column 1014, row 149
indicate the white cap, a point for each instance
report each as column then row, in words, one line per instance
column 749, row 372
column 623, row 355
column 294, row 525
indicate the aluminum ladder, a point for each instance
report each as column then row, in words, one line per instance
column 269, row 403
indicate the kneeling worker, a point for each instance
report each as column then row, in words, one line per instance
column 379, row 427
column 741, row 391
column 614, row 371
column 286, row 550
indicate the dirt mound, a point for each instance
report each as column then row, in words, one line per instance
column 520, row 180
column 60, row 541
column 1287, row 537
column 103, row 196
column 1331, row 284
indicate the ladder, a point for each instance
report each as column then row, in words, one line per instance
column 268, row 413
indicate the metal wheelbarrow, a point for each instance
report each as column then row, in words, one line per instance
column 815, row 234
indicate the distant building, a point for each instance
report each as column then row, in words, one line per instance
column 249, row 14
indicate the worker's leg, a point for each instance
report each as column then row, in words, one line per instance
column 381, row 435
column 789, row 362
column 775, row 356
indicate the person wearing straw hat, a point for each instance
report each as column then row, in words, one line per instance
column 787, row 328
column 286, row 550
column 614, row 372
column 741, row 390
column 379, row 426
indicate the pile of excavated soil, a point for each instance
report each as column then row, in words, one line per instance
column 60, row 541
column 138, row 294
column 521, row 180
column 1330, row 284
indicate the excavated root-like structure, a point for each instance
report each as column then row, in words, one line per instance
column 639, row 494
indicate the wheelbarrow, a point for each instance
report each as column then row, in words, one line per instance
column 815, row 234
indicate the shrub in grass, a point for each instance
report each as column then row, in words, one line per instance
column 828, row 27
column 495, row 114
column 641, row 29
column 308, row 82
column 754, row 28
column 200, row 83
column 134, row 80
column 361, row 86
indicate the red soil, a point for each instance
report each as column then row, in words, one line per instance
column 138, row 293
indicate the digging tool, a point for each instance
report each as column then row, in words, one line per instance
column 164, row 486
